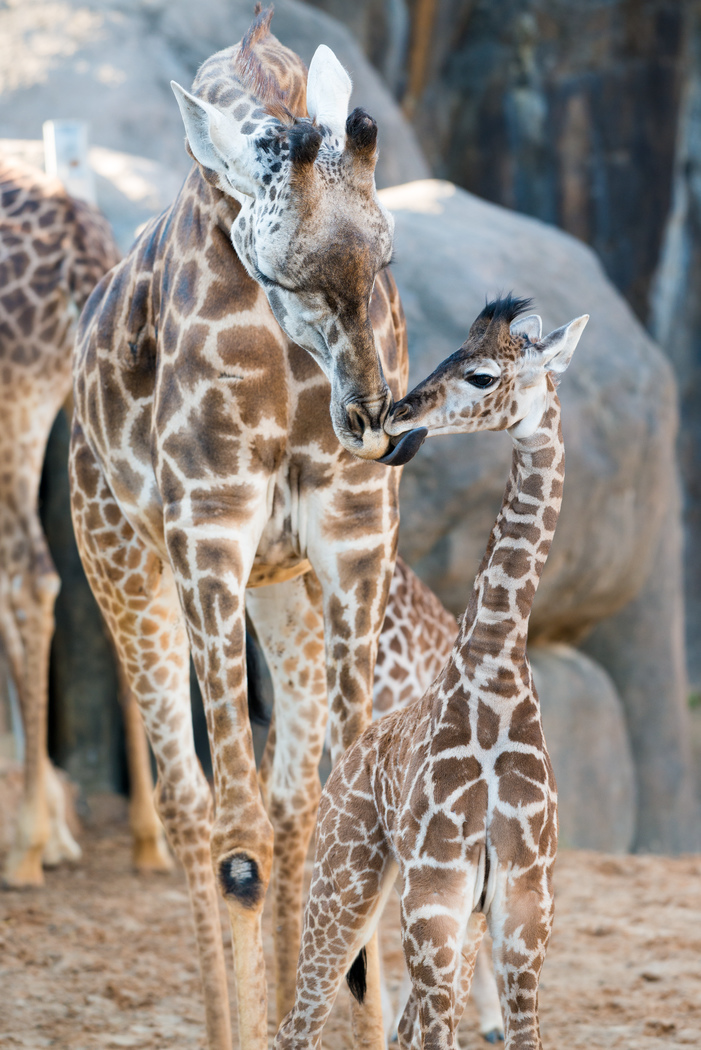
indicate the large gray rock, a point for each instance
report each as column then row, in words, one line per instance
column 642, row 647
column 587, row 738
column 110, row 62
column 619, row 422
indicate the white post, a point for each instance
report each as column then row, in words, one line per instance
column 66, row 157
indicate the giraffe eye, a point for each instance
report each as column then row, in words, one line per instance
column 481, row 380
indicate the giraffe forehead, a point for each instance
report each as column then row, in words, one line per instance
column 499, row 346
column 333, row 246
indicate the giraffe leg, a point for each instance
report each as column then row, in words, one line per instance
column 60, row 846
column 338, row 922
column 440, row 938
column 355, row 585
column 409, row 1021
column 434, row 961
column 475, row 965
column 289, row 622
column 520, row 920
column 367, row 1019
column 29, row 592
column 135, row 591
column 149, row 849
column 212, row 554
column 486, row 996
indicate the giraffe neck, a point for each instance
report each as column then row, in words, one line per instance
column 495, row 626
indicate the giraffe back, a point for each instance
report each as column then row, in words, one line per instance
column 53, row 250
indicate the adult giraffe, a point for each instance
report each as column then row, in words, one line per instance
column 53, row 251
column 232, row 378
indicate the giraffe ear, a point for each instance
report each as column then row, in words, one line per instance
column 531, row 327
column 217, row 143
column 328, row 91
column 558, row 347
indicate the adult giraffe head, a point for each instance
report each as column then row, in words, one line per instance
column 499, row 379
column 310, row 229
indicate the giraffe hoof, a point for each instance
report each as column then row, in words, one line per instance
column 151, row 856
column 494, row 1036
column 23, row 870
column 405, row 449
column 61, row 848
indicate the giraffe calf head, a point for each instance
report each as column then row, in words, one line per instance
column 499, row 378
column 311, row 229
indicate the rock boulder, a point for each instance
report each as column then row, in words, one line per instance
column 110, row 62
column 587, row 739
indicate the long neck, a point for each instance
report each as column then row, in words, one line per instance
column 495, row 625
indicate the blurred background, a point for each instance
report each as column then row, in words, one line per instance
column 540, row 145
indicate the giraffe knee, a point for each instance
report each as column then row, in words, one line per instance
column 242, row 856
column 240, row 879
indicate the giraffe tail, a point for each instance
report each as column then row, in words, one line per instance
column 357, row 976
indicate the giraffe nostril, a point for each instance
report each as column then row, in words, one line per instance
column 357, row 420
column 401, row 412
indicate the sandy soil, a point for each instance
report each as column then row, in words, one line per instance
column 102, row 958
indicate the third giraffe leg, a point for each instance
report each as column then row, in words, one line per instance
column 289, row 623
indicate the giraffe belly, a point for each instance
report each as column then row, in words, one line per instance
column 281, row 553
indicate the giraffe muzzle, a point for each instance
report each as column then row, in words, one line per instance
column 364, row 424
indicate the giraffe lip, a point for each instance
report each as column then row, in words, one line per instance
column 405, row 449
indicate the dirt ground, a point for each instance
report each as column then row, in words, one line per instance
column 103, row 958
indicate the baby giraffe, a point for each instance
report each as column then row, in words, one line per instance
column 455, row 795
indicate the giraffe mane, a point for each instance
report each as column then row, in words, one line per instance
column 506, row 308
column 502, row 310
column 249, row 68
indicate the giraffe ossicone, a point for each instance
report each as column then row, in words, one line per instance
column 454, row 797
column 328, row 93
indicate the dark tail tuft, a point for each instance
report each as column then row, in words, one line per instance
column 257, row 711
column 356, row 976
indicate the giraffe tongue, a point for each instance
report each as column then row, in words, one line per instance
column 405, row 449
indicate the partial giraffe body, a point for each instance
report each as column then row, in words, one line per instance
column 232, row 379
column 53, row 251
column 417, row 638
column 455, row 795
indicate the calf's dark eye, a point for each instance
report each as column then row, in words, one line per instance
column 481, row 380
